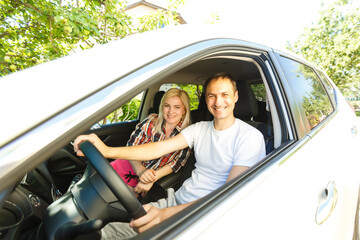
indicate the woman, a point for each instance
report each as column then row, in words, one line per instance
column 174, row 115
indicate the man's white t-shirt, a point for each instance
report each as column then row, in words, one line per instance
column 216, row 152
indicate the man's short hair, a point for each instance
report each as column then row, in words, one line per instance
column 217, row 76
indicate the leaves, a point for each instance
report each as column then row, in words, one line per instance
column 35, row 31
column 333, row 43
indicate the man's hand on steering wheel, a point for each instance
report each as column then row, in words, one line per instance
column 94, row 139
column 112, row 179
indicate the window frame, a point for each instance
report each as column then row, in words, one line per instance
column 327, row 83
column 299, row 112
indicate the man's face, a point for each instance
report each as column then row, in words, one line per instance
column 221, row 98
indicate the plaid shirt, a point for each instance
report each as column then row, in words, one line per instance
column 145, row 133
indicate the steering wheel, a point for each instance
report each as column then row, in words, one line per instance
column 112, row 180
column 93, row 201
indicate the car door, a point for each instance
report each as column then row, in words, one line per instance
column 323, row 181
column 115, row 130
column 308, row 189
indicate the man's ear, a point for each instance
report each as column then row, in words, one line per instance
column 236, row 96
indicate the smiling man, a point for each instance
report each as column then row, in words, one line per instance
column 224, row 148
column 221, row 98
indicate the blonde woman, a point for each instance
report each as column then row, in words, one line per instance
column 174, row 115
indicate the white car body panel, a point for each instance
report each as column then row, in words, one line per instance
column 283, row 204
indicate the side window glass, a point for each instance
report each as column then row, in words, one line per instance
column 126, row 112
column 193, row 90
column 328, row 86
column 259, row 91
column 308, row 90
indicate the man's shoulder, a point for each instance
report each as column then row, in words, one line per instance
column 199, row 126
column 202, row 124
column 245, row 127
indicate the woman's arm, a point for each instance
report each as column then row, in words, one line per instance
column 137, row 167
column 151, row 176
column 163, row 171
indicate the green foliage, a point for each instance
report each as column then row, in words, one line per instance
column 316, row 102
column 194, row 92
column 333, row 43
column 35, row 31
column 214, row 18
column 259, row 91
column 128, row 111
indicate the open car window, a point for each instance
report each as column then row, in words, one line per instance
column 127, row 112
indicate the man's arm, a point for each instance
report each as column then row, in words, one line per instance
column 155, row 216
column 236, row 171
column 142, row 152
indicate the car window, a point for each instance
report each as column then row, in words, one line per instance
column 328, row 86
column 193, row 90
column 259, row 91
column 308, row 91
column 127, row 112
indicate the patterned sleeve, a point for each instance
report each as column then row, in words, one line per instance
column 179, row 159
column 142, row 132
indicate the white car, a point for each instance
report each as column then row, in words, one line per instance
column 307, row 186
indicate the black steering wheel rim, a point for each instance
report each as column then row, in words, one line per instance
column 112, row 180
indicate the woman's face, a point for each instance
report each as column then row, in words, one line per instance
column 174, row 110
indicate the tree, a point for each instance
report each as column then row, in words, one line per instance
column 128, row 111
column 333, row 43
column 194, row 92
column 35, row 31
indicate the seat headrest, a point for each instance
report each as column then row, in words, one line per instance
column 201, row 113
column 157, row 99
column 246, row 107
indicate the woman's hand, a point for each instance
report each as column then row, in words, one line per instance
column 148, row 176
column 94, row 139
column 143, row 188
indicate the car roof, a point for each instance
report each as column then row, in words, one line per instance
column 33, row 95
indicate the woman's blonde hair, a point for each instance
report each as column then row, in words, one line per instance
column 184, row 97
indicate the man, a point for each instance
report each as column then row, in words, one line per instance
column 224, row 148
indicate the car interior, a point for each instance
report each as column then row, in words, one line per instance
column 63, row 170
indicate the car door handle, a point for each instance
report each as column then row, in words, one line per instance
column 327, row 203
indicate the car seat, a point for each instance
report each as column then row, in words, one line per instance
column 247, row 109
column 201, row 113
column 156, row 104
